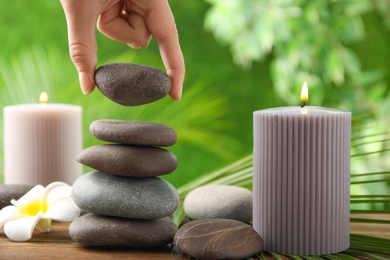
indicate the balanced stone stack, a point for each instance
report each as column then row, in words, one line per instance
column 128, row 204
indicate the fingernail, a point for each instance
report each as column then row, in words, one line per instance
column 84, row 83
column 176, row 94
column 180, row 94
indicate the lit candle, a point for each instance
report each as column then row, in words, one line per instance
column 301, row 171
column 41, row 142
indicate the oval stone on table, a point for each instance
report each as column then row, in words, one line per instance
column 142, row 198
column 126, row 160
column 12, row 191
column 94, row 230
column 219, row 201
column 133, row 132
column 218, row 239
column 132, row 84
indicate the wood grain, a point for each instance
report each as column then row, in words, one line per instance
column 58, row 245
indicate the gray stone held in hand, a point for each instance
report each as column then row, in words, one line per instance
column 133, row 132
column 127, row 160
column 132, row 84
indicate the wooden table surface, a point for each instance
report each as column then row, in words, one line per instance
column 58, row 245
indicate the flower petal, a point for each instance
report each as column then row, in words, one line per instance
column 63, row 209
column 54, row 191
column 10, row 213
column 44, row 225
column 33, row 195
column 21, row 229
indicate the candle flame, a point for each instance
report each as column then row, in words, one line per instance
column 43, row 98
column 304, row 93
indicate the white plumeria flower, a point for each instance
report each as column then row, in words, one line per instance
column 37, row 208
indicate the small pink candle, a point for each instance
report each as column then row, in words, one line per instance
column 41, row 142
column 301, row 171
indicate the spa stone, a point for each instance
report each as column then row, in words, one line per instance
column 127, row 197
column 127, row 160
column 12, row 191
column 219, row 201
column 218, row 239
column 133, row 132
column 94, row 230
column 132, row 84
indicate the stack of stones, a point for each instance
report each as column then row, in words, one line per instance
column 128, row 204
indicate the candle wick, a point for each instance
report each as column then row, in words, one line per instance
column 303, row 104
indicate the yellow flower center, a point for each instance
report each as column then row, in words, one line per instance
column 34, row 206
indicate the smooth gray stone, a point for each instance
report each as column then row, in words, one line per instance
column 127, row 197
column 219, row 201
column 127, row 160
column 218, row 239
column 133, row 132
column 94, row 230
column 132, row 84
column 12, row 191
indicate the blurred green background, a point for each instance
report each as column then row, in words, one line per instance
column 240, row 56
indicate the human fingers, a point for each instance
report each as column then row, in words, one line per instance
column 161, row 24
column 80, row 18
column 129, row 28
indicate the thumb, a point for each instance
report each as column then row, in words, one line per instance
column 81, row 19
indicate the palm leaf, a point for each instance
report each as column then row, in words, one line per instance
column 200, row 119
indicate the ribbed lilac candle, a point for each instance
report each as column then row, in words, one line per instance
column 301, row 173
column 41, row 142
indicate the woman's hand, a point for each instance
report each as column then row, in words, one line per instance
column 133, row 22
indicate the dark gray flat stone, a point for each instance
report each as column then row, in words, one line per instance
column 94, row 230
column 126, row 160
column 132, row 84
column 127, row 197
column 133, row 132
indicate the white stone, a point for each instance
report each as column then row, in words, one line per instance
column 219, row 201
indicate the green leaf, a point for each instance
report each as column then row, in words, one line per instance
column 354, row 8
column 369, row 142
column 369, row 174
column 335, row 66
column 351, row 62
column 369, row 181
column 295, row 257
column 261, row 256
column 369, row 196
column 275, row 255
column 353, row 29
column 343, row 256
column 332, row 257
column 369, row 153
column 374, row 211
column 365, row 220
column 365, row 255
